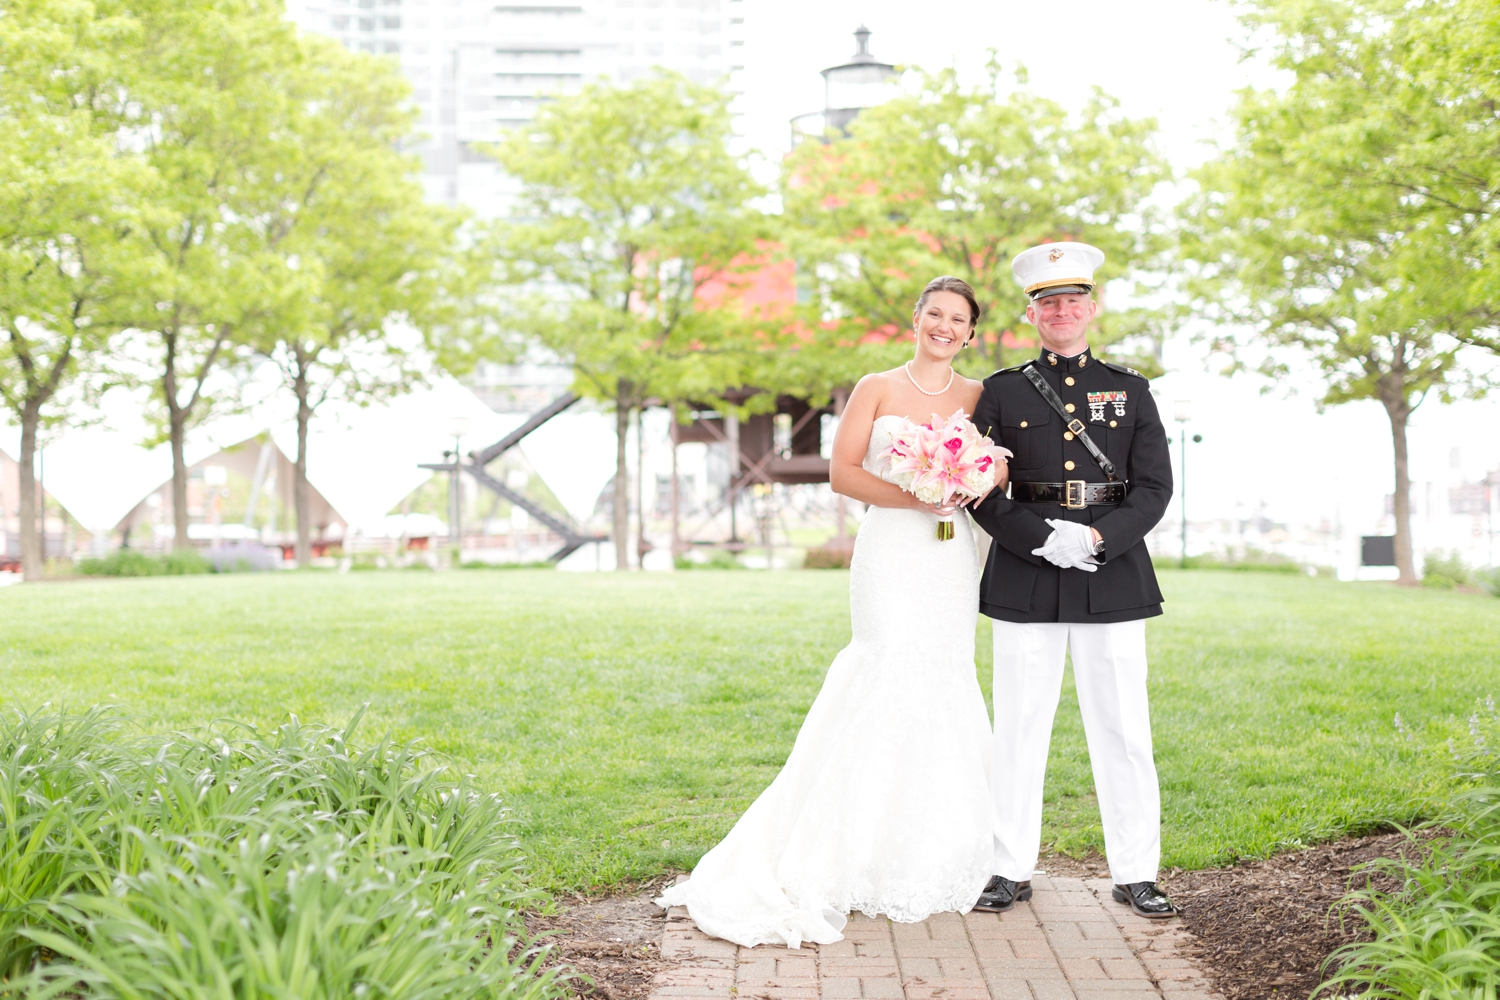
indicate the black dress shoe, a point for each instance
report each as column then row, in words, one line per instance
column 1145, row 899
column 1000, row 894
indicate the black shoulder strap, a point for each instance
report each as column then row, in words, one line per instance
column 1073, row 423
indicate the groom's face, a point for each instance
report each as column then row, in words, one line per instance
column 1062, row 320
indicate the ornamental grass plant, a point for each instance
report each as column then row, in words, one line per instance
column 1438, row 937
column 236, row 863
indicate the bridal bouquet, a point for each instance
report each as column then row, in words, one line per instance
column 938, row 461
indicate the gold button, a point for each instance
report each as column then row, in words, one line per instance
column 1113, row 424
column 1069, row 380
column 1069, row 407
column 1068, row 466
column 1067, row 435
column 1023, row 423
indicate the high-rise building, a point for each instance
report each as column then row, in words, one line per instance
column 478, row 67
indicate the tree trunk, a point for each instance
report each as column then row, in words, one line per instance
column 641, row 545
column 299, row 475
column 176, row 432
column 1399, row 413
column 676, row 494
column 177, row 424
column 31, row 532
column 622, row 480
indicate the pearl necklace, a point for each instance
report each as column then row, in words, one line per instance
column 923, row 391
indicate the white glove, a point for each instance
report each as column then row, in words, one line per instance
column 1070, row 546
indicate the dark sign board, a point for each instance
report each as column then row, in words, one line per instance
column 1377, row 550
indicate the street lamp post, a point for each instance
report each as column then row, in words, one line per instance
column 457, row 427
column 1182, row 413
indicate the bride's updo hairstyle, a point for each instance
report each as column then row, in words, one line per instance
column 958, row 286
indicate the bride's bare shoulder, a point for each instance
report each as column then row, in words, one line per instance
column 874, row 386
column 881, row 378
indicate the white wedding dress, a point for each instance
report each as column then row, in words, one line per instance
column 884, row 803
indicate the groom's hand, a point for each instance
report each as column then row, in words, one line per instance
column 1070, row 546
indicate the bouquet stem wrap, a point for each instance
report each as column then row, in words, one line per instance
column 942, row 460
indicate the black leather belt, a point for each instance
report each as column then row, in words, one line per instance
column 1075, row 493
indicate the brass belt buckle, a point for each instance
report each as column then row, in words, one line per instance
column 1073, row 494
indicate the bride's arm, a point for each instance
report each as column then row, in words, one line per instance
column 846, row 473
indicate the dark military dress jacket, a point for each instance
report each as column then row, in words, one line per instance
column 1116, row 406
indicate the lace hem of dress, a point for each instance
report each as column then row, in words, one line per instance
column 906, row 904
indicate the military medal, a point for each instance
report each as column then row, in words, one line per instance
column 1097, row 401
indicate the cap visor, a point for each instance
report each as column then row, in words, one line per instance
column 1042, row 293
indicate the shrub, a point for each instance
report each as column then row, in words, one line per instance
column 828, row 557
column 129, row 562
column 1253, row 561
column 718, row 559
column 1444, row 572
column 1489, row 580
column 1439, row 935
column 185, row 562
column 122, row 562
column 237, row 863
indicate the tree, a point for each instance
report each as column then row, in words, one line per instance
column 349, row 253
column 67, row 202
column 208, row 82
column 948, row 180
column 1307, row 231
column 631, row 203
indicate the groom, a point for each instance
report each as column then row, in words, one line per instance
column 1069, row 570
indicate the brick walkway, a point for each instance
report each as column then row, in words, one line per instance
column 1070, row 942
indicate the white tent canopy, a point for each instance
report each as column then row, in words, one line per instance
column 364, row 460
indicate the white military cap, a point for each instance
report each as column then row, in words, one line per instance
column 1057, row 268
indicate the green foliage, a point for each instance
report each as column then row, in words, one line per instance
column 948, row 180
column 634, row 216
column 349, row 255
column 1444, row 572
column 631, row 204
column 1489, row 580
column 67, row 201
column 1438, row 936
column 129, row 562
column 1332, row 228
column 237, row 863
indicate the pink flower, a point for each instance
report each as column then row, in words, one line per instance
column 943, row 459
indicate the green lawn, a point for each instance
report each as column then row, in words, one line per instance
column 629, row 719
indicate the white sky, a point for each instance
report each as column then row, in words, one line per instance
column 1179, row 61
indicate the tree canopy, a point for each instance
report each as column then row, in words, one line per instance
column 631, row 204
column 1332, row 224
column 953, row 180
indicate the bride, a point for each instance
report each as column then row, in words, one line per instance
column 883, row 805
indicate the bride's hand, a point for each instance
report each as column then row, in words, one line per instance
column 940, row 509
column 1002, row 475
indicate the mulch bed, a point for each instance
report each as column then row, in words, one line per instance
column 614, row 941
column 1263, row 928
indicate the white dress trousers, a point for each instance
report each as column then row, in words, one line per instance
column 1109, row 667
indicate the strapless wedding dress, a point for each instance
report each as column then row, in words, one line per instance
column 884, row 803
